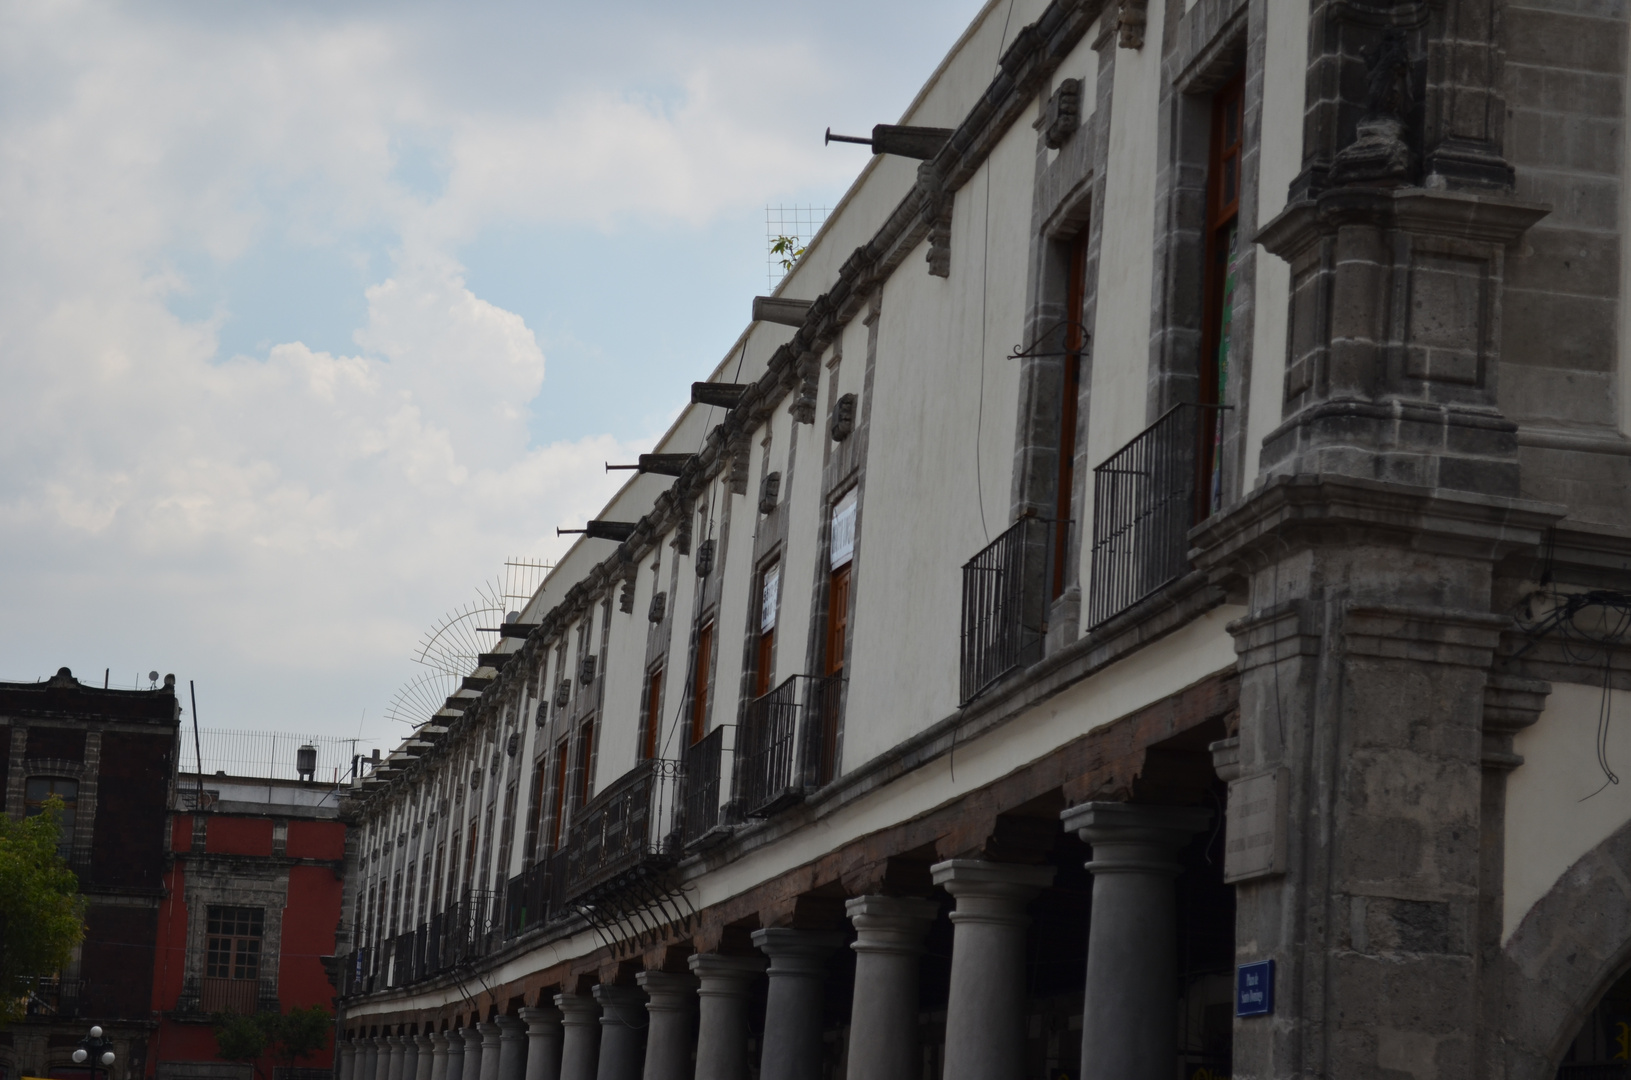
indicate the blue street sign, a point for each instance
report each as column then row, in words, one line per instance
column 1254, row 989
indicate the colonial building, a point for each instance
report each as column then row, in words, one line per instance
column 109, row 755
column 1147, row 594
column 250, row 912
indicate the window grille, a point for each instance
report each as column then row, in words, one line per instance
column 785, row 743
column 702, row 760
column 1005, row 605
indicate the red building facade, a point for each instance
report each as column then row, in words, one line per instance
column 251, row 908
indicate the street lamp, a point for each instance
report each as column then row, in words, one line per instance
column 94, row 1048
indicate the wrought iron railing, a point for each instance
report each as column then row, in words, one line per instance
column 629, row 826
column 526, row 900
column 1005, row 605
column 468, row 927
column 787, row 744
column 1143, row 508
column 50, row 996
column 702, row 761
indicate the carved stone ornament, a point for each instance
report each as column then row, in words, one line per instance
column 475, row 779
column 541, row 715
column 659, row 608
column 586, row 669
column 843, row 418
column 803, row 407
column 492, row 765
column 563, row 693
column 705, row 558
column 741, row 466
column 513, row 743
column 1379, row 154
column 769, row 490
column 625, row 597
column 1131, row 21
column 936, row 211
column 1063, row 115
column 682, row 535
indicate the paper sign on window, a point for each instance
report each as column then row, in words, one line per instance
column 843, row 530
column 768, row 596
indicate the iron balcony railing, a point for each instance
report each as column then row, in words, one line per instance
column 526, row 900
column 1143, row 508
column 468, row 927
column 788, row 743
column 630, row 826
column 1005, row 605
column 702, row 774
column 50, row 996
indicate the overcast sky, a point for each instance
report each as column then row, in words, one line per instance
column 312, row 314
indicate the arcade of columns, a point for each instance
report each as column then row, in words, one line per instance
column 656, row 1029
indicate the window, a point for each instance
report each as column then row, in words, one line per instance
column 470, row 850
column 535, row 821
column 586, row 761
column 234, row 943
column 699, row 682
column 1075, row 342
column 1222, row 251
column 38, row 789
column 764, row 647
column 651, row 735
column 557, row 818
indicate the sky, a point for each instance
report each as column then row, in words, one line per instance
column 313, row 314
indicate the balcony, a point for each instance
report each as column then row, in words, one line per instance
column 788, row 743
column 50, row 996
column 468, row 927
column 628, row 829
column 229, row 995
column 1144, row 502
column 702, row 774
column 526, row 900
column 1005, row 605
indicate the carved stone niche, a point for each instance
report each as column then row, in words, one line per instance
column 1394, row 337
column 1063, row 114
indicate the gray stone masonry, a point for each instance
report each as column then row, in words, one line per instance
column 671, row 1007
column 512, row 1048
column 798, row 969
column 724, row 996
column 580, row 1045
column 622, row 1032
column 543, row 1042
column 1364, row 664
column 883, row 1032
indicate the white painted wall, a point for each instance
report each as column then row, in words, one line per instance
column 1279, row 158
column 1559, row 805
column 1121, row 328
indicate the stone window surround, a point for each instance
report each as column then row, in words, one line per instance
column 232, row 881
column 85, row 772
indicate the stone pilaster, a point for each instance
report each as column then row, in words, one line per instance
column 512, row 1048
column 793, row 1009
column 622, row 1032
column 1128, row 1025
column 1356, row 815
column 724, row 996
column 543, row 1042
column 671, row 1007
column 985, row 1013
column 580, row 1040
column 883, row 1033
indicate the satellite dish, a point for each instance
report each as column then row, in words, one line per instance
column 153, row 676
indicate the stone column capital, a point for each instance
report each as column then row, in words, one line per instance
column 990, row 891
column 510, row 1027
column 621, row 1004
column 423, row 1041
column 471, row 1036
column 1129, row 838
column 725, row 976
column 489, row 1033
column 668, row 991
column 438, row 1040
column 797, row 952
column 544, row 1016
column 890, row 924
column 577, row 1009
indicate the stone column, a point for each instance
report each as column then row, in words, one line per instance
column 346, row 1060
column 1129, row 1022
column 798, row 967
column 438, row 1055
column 368, row 1051
column 671, row 1004
column 985, row 1014
column 391, row 1057
column 455, row 1055
column 543, row 1042
column 423, row 1060
column 622, row 1032
column 883, row 1032
column 489, row 1050
column 472, row 1052
column 580, row 1041
column 410, row 1055
column 724, row 995
column 512, row 1048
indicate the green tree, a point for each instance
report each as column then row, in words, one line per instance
column 285, row 1039
column 42, row 916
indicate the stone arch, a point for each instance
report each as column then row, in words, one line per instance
column 1569, row 948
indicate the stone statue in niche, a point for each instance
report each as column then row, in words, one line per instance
column 1379, row 156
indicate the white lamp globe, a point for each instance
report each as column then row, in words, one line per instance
column 96, row 1032
column 107, row 1058
column 79, row 1057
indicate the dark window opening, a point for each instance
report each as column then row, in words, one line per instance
column 1075, row 342
column 699, row 682
column 38, row 789
column 558, row 811
column 652, row 733
column 764, row 646
column 234, row 950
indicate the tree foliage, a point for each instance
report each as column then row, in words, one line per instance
column 789, row 248
column 281, row 1038
column 42, row 916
